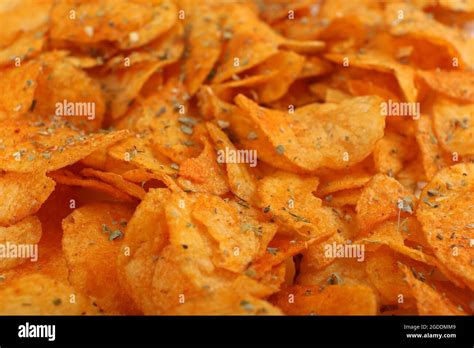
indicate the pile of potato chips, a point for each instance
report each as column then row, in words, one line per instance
column 218, row 157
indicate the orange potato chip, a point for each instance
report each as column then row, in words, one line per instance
column 17, row 89
column 111, row 20
column 116, row 180
column 22, row 195
column 92, row 238
column 14, row 239
column 288, row 66
column 67, row 177
column 225, row 302
column 392, row 151
column 289, row 199
column 290, row 133
column 382, row 198
column 431, row 154
column 454, row 126
column 445, row 214
column 68, row 92
column 203, row 173
column 455, row 84
column 241, row 181
column 122, row 86
column 380, row 62
column 37, row 294
column 35, row 147
column 334, row 300
column 418, row 25
column 204, row 44
column 428, row 301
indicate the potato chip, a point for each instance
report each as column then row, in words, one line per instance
column 315, row 66
column 203, row 44
column 37, row 294
column 250, row 42
column 455, row 84
column 122, row 86
column 334, row 182
column 137, row 151
column 454, row 126
column 203, row 173
column 111, row 20
column 278, row 251
column 334, row 300
column 14, row 239
column 239, row 243
column 379, row 62
column 416, row 24
column 224, row 302
column 382, row 198
column 241, row 181
column 145, row 236
column 445, row 214
column 392, row 151
column 431, row 154
column 67, row 177
column 91, row 240
column 68, row 92
column 288, row 66
column 116, row 180
column 428, row 301
column 289, row 199
column 328, row 147
column 23, row 195
column 24, row 28
column 36, row 147
column 17, row 89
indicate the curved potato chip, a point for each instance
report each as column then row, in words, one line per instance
column 455, row 84
column 288, row 197
column 145, row 236
column 203, row 173
column 111, row 20
column 446, row 215
column 454, row 126
column 288, row 66
column 382, row 198
column 22, row 195
column 116, row 180
column 224, row 302
column 384, row 273
column 392, row 151
column 203, row 44
column 428, row 301
column 17, row 89
column 14, row 239
column 37, row 294
column 35, row 147
column 68, row 92
column 122, row 86
column 91, row 240
column 242, row 183
column 67, row 177
column 333, row 300
column 379, row 61
column 312, row 128
column 420, row 26
column 431, row 155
